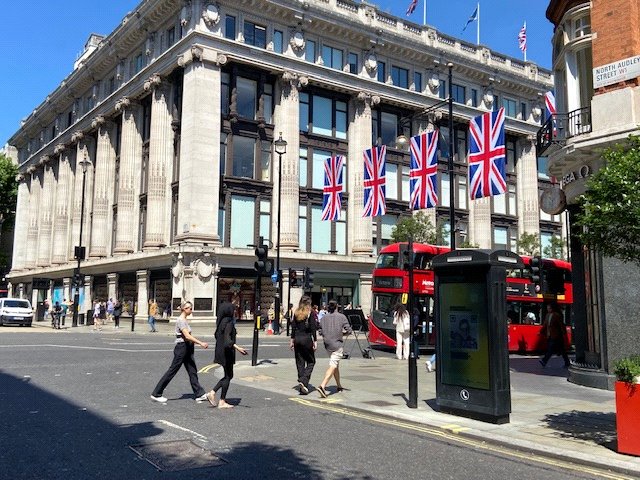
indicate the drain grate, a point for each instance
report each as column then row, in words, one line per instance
column 380, row 403
column 175, row 455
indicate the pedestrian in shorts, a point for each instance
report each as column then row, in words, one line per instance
column 333, row 327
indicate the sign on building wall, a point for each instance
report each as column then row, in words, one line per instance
column 615, row 72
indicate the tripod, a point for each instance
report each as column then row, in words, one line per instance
column 359, row 326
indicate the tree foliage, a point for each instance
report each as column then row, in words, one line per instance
column 610, row 214
column 528, row 244
column 417, row 226
column 8, row 188
column 555, row 249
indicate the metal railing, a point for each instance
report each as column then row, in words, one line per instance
column 560, row 127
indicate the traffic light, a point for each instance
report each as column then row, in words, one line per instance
column 263, row 265
column 293, row 277
column 555, row 281
column 536, row 272
column 308, row 278
column 77, row 279
column 403, row 256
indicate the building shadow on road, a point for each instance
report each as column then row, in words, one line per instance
column 531, row 364
column 595, row 427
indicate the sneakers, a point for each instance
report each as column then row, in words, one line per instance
column 159, row 399
column 321, row 391
column 429, row 366
column 201, row 398
column 303, row 388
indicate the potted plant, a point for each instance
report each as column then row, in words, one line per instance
column 627, row 372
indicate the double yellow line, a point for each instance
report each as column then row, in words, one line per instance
column 450, row 432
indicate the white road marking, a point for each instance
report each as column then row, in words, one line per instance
column 196, row 434
column 82, row 348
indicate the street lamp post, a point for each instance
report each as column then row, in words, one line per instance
column 280, row 148
column 79, row 251
column 452, row 207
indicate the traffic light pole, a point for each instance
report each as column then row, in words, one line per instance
column 80, row 253
column 256, row 322
column 413, row 365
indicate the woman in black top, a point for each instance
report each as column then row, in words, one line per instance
column 304, row 342
column 225, row 353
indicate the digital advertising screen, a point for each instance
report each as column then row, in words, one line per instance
column 464, row 335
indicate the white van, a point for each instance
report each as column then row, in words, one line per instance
column 15, row 311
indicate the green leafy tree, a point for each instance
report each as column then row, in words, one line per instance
column 8, row 188
column 610, row 214
column 417, row 226
column 528, row 244
column 555, row 249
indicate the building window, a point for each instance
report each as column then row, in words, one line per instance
column 474, row 97
column 400, row 76
column 265, row 219
column 417, row 81
column 328, row 237
column 332, row 57
column 353, row 63
column 500, row 237
column 391, row 181
column 382, row 227
column 326, row 116
column 243, row 213
column 445, row 188
column 442, row 89
column 230, row 27
column 139, row 63
column 385, row 127
column 461, row 198
column 247, row 94
column 303, row 166
column 581, row 27
column 523, row 111
column 278, row 41
column 405, row 183
column 243, row 157
column 255, row 34
column 302, row 228
column 317, row 169
column 510, row 109
column 458, row 93
column 267, row 102
column 310, row 51
column 496, row 103
column 171, row 36
column 382, row 72
column 223, row 153
column 511, row 156
column 543, row 168
column 225, row 82
column 506, row 204
column 461, row 144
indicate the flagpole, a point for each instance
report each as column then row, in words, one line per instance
column 424, row 13
column 478, row 26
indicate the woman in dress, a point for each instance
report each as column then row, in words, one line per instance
column 304, row 342
column 225, row 354
column 183, row 354
column 401, row 321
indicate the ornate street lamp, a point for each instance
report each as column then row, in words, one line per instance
column 280, row 147
column 79, row 250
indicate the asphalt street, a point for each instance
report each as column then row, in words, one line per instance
column 77, row 406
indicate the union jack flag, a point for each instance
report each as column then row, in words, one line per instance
column 374, row 181
column 332, row 191
column 550, row 103
column 487, row 155
column 412, row 6
column 522, row 38
column 424, row 168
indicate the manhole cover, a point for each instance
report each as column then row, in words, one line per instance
column 177, row 455
column 380, row 403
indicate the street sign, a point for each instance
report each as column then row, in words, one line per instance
column 274, row 277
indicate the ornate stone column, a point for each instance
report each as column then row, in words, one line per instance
column 46, row 212
column 103, row 188
column 129, row 176
column 22, row 224
column 87, row 305
column 142, row 279
column 366, row 280
column 527, row 188
column 84, row 150
column 360, row 241
column 67, row 293
column 34, row 206
column 160, row 163
column 112, row 286
column 287, row 115
column 480, row 230
column 63, row 198
column 199, row 176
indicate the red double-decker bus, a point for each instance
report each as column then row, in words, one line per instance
column 526, row 307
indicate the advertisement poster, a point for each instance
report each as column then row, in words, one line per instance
column 464, row 334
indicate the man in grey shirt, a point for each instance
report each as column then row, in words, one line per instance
column 333, row 327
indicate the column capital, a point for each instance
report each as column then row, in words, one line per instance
column 59, row 148
column 201, row 53
column 20, row 177
column 31, row 169
column 294, row 79
column 77, row 136
column 44, row 160
column 153, row 82
column 97, row 121
column 126, row 103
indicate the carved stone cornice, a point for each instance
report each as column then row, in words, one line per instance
column 368, row 98
column 59, row 148
column 153, row 82
column 77, row 136
column 294, row 79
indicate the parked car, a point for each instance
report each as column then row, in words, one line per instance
column 15, row 311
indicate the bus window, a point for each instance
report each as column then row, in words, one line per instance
column 387, row 260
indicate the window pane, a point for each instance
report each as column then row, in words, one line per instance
column 388, row 222
column 417, row 81
column 353, row 63
column 509, row 107
column 320, row 232
column 341, row 235
column 405, row 184
column 474, row 97
column 224, row 93
column 500, row 237
column 499, row 204
column 303, row 167
column 392, row 180
column 513, row 206
column 242, row 215
column 304, row 112
column 389, row 127
column 445, row 188
column 458, row 93
column 543, row 167
column 310, row 51
column 336, row 59
column 341, row 120
column 265, row 161
column 277, row 41
column 322, row 117
column 382, row 72
column 247, row 93
column 223, row 153
column 462, row 192
column 230, row 27
column 400, row 77
column 326, row 55
column 243, row 156
column 302, row 234
column 265, row 218
column 319, row 156
column 221, row 231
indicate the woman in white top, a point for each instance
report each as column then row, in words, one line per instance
column 401, row 321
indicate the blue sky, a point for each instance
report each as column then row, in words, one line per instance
column 41, row 39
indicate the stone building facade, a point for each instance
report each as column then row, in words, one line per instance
column 175, row 113
column 598, row 105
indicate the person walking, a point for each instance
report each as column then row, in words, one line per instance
column 153, row 314
column 110, row 306
column 183, row 354
column 97, row 326
column 304, row 342
column 56, row 314
column 401, row 321
column 117, row 312
column 65, row 309
column 225, row 353
column 333, row 326
column 555, row 331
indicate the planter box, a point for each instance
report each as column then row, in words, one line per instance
column 628, row 417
